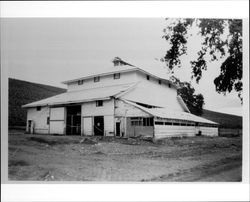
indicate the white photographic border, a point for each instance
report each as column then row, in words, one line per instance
column 67, row 191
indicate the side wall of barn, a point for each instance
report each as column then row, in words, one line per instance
column 39, row 119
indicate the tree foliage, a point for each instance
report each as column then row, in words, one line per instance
column 193, row 101
column 221, row 39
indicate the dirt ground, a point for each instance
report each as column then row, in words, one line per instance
column 75, row 158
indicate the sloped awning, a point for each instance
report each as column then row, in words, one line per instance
column 170, row 114
column 82, row 96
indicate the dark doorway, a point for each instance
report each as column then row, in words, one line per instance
column 73, row 120
column 118, row 129
column 99, row 125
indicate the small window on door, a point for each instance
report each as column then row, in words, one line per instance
column 99, row 103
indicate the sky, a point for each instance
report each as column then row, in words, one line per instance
column 52, row 50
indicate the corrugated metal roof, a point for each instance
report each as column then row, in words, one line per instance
column 82, row 95
column 169, row 114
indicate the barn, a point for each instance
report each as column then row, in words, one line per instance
column 124, row 101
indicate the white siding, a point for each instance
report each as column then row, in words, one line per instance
column 124, row 109
column 152, row 93
column 107, row 110
column 39, row 118
column 87, row 126
column 126, row 77
column 209, row 131
column 162, row 131
column 57, row 120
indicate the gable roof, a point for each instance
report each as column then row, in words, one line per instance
column 83, row 95
column 170, row 114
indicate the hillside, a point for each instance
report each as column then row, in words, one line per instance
column 23, row 92
column 225, row 120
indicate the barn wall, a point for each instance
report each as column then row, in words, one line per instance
column 89, row 110
column 162, row 131
column 126, row 77
column 123, row 109
column 209, row 131
column 152, row 93
column 57, row 120
column 133, row 131
column 39, row 118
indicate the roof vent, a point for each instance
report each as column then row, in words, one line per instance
column 119, row 62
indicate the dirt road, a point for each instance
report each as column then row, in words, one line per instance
column 72, row 158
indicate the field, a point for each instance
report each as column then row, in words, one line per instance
column 75, row 158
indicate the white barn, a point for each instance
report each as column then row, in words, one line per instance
column 123, row 100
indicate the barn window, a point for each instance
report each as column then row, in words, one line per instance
column 136, row 121
column 169, row 85
column 159, row 82
column 48, row 120
column 99, row 103
column 148, row 77
column 117, row 76
column 176, row 124
column 168, row 123
column 80, row 82
column 38, row 108
column 147, row 121
column 96, row 79
column 158, row 123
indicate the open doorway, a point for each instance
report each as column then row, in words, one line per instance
column 73, row 121
column 99, row 125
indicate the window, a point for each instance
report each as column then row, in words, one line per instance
column 117, row 76
column 159, row 82
column 38, row 108
column 168, row 123
column 147, row 121
column 96, row 79
column 169, row 85
column 158, row 123
column 80, row 82
column 47, row 120
column 176, row 124
column 99, row 103
column 148, row 77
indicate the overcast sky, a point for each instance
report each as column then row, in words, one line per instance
column 49, row 51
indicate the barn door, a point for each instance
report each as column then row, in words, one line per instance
column 99, row 125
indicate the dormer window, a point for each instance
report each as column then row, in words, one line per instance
column 148, row 77
column 96, row 79
column 80, row 82
column 159, row 82
column 117, row 76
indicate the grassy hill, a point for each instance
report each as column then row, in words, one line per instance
column 225, row 120
column 23, row 92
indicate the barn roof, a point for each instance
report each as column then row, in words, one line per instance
column 167, row 113
column 83, row 95
column 156, row 72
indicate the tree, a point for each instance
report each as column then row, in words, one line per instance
column 221, row 39
column 193, row 101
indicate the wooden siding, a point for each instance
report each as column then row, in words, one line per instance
column 57, row 120
column 39, row 118
column 133, row 131
column 209, row 131
column 123, row 109
column 87, row 126
column 108, row 80
column 162, row 131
